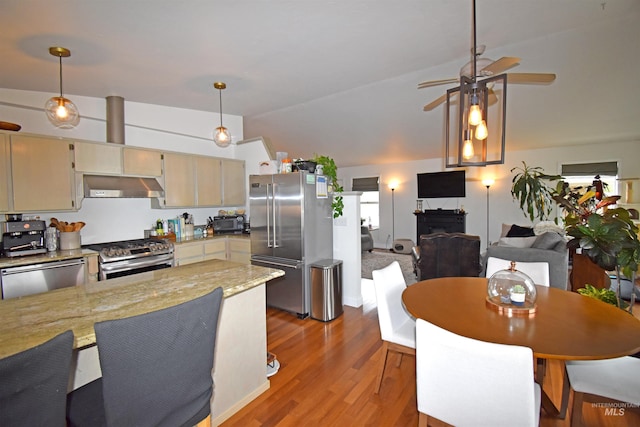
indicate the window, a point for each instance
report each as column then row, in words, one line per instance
column 582, row 175
column 369, row 201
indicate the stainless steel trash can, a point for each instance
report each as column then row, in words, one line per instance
column 326, row 289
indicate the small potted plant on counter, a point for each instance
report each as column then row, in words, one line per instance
column 518, row 295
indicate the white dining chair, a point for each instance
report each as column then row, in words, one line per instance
column 397, row 327
column 603, row 381
column 466, row 382
column 537, row 271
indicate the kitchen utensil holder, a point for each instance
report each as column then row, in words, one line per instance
column 69, row 240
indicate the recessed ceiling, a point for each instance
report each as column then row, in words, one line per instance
column 338, row 77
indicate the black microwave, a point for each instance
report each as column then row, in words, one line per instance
column 228, row 224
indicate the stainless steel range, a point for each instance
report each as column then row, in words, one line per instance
column 127, row 257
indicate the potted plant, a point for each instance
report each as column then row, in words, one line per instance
column 606, row 234
column 529, row 187
column 330, row 170
column 517, row 294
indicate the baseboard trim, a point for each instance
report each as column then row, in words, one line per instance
column 219, row 419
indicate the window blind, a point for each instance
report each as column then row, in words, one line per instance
column 590, row 169
column 365, row 184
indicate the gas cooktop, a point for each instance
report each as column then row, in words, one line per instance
column 129, row 249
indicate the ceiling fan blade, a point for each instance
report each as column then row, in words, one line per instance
column 530, row 78
column 500, row 66
column 435, row 103
column 436, row 83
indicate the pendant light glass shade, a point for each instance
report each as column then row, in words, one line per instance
column 221, row 135
column 61, row 111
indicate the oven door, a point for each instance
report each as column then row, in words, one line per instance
column 110, row 270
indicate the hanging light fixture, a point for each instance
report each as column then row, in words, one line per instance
column 61, row 111
column 476, row 113
column 221, row 135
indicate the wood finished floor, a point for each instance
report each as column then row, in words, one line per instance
column 328, row 370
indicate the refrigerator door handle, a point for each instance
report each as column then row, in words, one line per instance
column 268, row 199
column 273, row 214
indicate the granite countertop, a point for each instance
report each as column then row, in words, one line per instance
column 32, row 320
column 46, row 257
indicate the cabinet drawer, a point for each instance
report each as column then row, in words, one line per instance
column 238, row 245
column 188, row 251
column 215, row 246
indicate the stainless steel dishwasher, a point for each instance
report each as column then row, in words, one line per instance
column 36, row 278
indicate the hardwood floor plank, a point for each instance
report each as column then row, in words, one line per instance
column 327, row 374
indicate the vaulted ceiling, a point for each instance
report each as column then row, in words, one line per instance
column 338, row 77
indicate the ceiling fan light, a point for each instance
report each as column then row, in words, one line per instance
column 222, row 137
column 475, row 115
column 62, row 113
column 467, row 147
column 481, row 131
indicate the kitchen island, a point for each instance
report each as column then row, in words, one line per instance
column 240, row 359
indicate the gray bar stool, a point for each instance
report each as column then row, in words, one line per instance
column 156, row 368
column 33, row 384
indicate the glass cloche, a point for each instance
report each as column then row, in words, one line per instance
column 511, row 288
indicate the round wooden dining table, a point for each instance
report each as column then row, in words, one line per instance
column 565, row 325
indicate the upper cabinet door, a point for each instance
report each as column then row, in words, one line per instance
column 42, row 174
column 138, row 161
column 234, row 183
column 179, row 180
column 98, row 158
column 209, row 185
column 5, row 177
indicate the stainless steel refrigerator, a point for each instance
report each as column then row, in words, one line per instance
column 291, row 228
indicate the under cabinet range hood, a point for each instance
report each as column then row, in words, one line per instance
column 121, row 187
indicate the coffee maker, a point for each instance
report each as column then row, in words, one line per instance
column 21, row 238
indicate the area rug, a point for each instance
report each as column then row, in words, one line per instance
column 378, row 259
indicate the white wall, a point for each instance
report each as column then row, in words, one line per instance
column 150, row 126
column 503, row 209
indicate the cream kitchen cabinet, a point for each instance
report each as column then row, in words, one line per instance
column 208, row 177
column 179, row 180
column 5, row 176
column 188, row 252
column 225, row 248
column 195, row 181
column 98, row 158
column 239, row 250
column 233, row 183
column 215, row 249
column 116, row 159
column 42, row 174
column 138, row 161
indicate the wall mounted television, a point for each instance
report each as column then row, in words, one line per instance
column 441, row 184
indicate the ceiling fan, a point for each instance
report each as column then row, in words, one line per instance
column 479, row 68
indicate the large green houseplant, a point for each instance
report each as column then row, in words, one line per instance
column 606, row 234
column 529, row 187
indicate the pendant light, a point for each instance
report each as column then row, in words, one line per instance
column 476, row 116
column 61, row 111
column 221, row 135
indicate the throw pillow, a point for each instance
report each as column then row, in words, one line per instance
column 518, row 231
column 547, row 240
column 546, row 226
column 517, row 242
